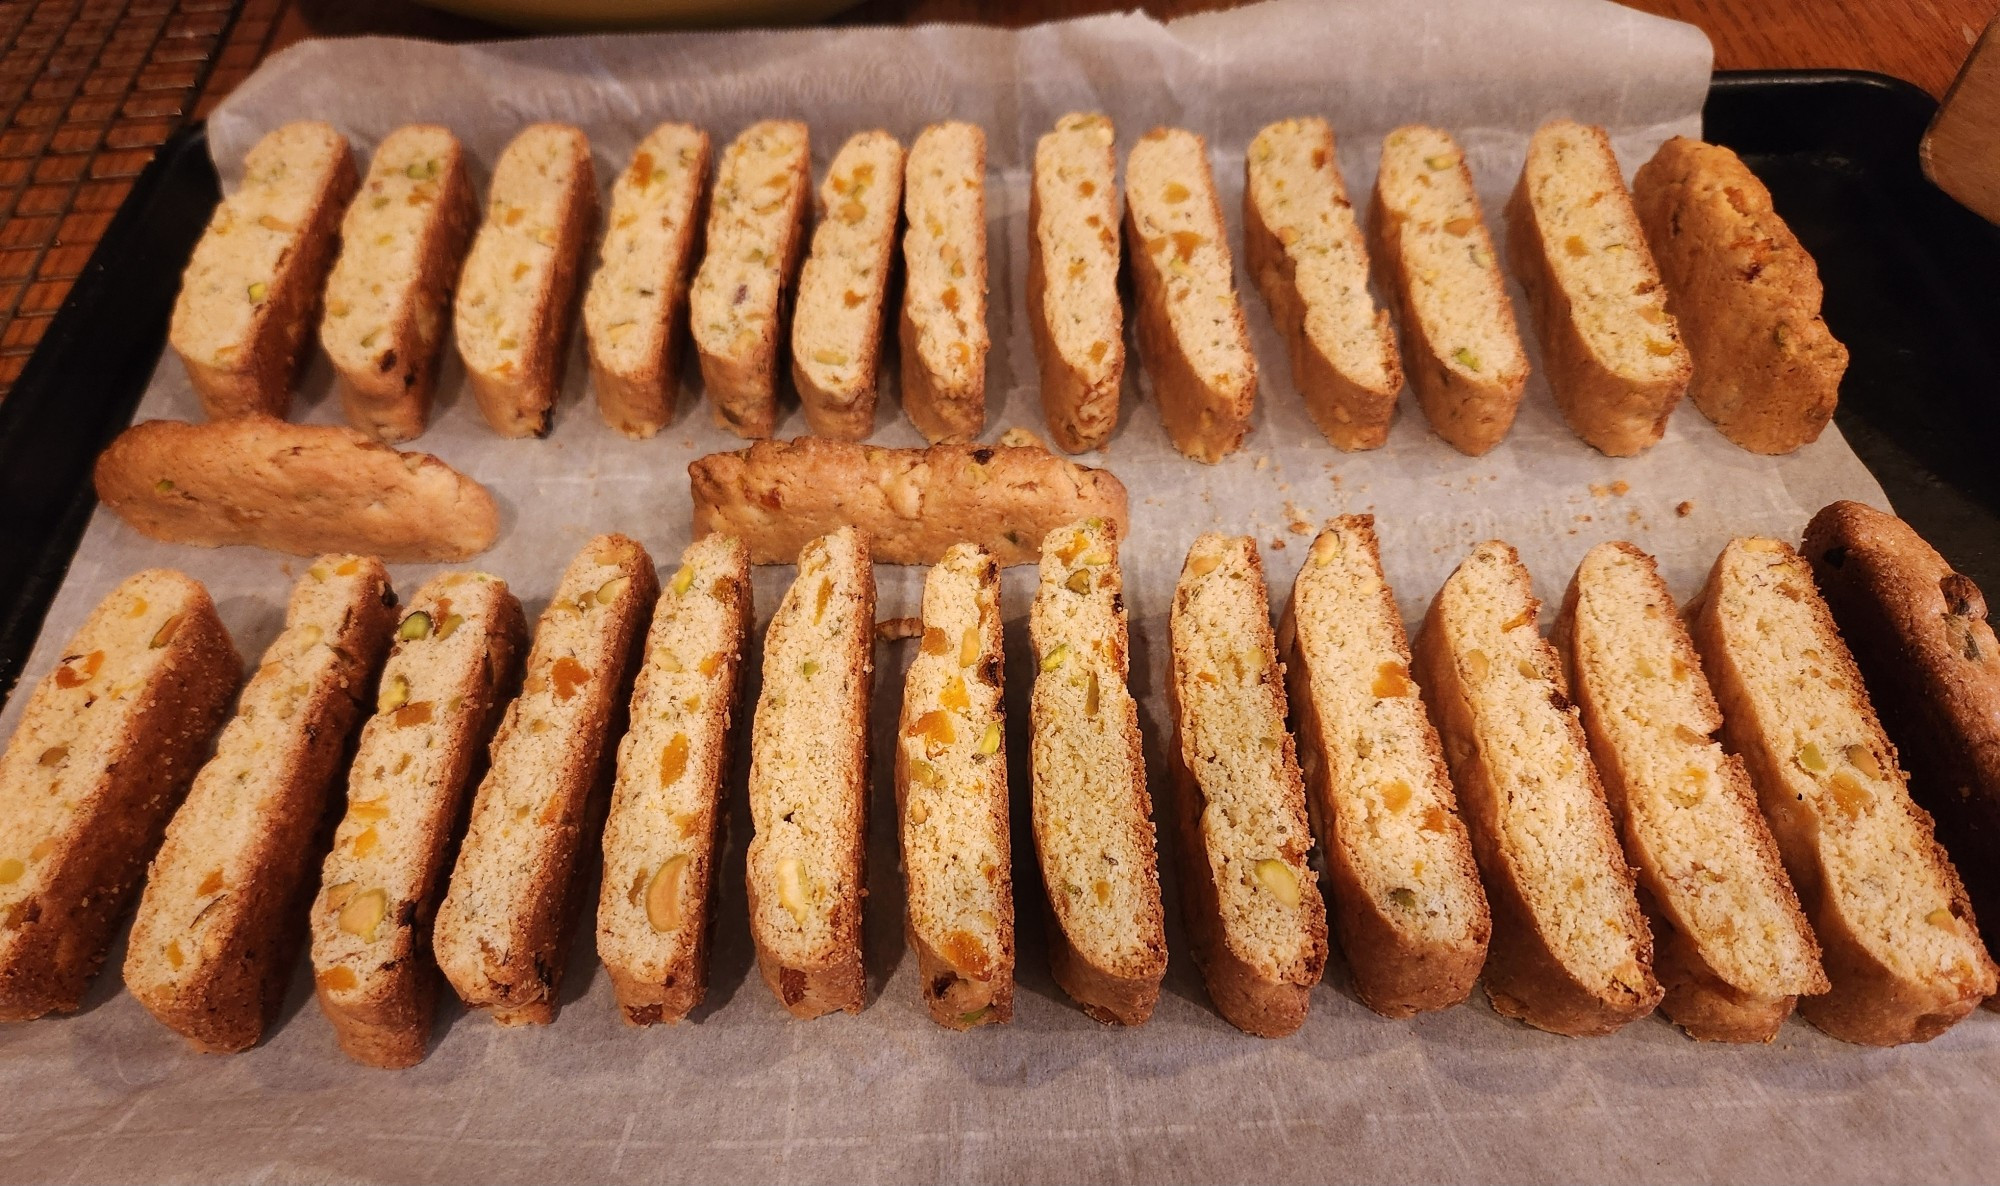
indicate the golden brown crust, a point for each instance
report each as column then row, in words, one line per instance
column 744, row 388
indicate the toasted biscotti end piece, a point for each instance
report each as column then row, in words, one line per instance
column 809, row 781
column 1746, row 294
column 402, row 241
column 1304, row 246
column 100, row 758
column 1407, row 902
column 1735, row 951
column 915, row 504
column 661, row 837
column 248, row 293
column 1897, row 932
column 299, row 488
column 1074, row 310
column 837, row 321
column 943, row 335
column 634, row 315
column 756, row 233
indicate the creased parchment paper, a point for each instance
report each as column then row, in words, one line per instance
column 740, row 1092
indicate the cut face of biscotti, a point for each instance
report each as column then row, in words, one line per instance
column 516, row 296
column 502, row 927
column 1407, row 902
column 1435, row 259
column 633, row 314
column 1093, row 818
column 1614, row 354
column 456, row 653
column 660, row 838
column 1735, row 950
column 1571, row 952
column 837, row 322
column 809, row 781
column 1073, row 304
column 943, row 338
column 1896, row 931
column 1305, row 249
column 212, row 946
column 756, row 225
column 98, row 762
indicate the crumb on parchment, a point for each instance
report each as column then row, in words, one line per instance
column 1684, row 507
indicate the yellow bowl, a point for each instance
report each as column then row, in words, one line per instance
column 575, row 15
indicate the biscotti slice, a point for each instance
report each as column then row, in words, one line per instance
column 1251, row 902
column 1192, row 337
column 1613, row 353
column 943, row 337
column 756, row 227
column 219, row 925
column 501, row 930
column 402, row 242
column 1407, row 903
column 1093, row 818
column 837, row 323
column 1746, row 295
column 1734, row 949
column 99, row 760
column 248, row 293
column 457, row 651
column 1571, row 951
column 518, row 292
column 1304, row 246
column 809, row 781
column 1896, row 931
column 1074, row 310
column 661, row 837
column 633, row 315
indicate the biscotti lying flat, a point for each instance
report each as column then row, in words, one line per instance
column 247, row 296
column 837, row 322
column 100, row 759
column 1252, row 905
column 213, row 943
column 943, row 336
column 1074, row 310
column 299, row 488
column 1407, row 903
column 661, row 837
column 1746, row 295
column 1734, row 950
column 1895, row 928
column 1304, row 246
column 501, row 930
column 1571, row 952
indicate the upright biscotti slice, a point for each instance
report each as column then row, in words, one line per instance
column 1407, row 903
column 633, row 315
column 1093, row 818
column 1734, row 949
column 756, row 227
column 213, row 943
column 247, row 297
column 1571, row 952
column 1251, row 902
column 944, row 339
column 1895, row 928
column 456, row 654
column 402, row 241
column 98, row 762
column 1304, row 247
column 809, row 781
column 518, row 293
column 837, row 323
column 502, row 928
column 1074, row 310
column 1192, row 337
column 661, row 837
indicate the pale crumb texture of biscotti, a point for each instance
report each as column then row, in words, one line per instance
column 456, row 655
column 809, row 781
column 97, row 764
column 1092, row 814
column 1571, row 950
column 502, row 930
column 1074, row 309
column 943, row 336
column 1735, row 950
column 655, row 909
column 1747, row 296
column 1407, row 903
column 837, row 322
column 1896, row 931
